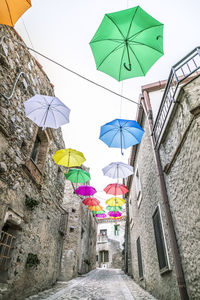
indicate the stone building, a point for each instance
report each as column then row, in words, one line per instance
column 163, row 202
column 79, row 249
column 110, row 243
column 32, row 221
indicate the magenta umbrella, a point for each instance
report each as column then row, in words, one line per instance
column 101, row 216
column 114, row 214
column 85, row 190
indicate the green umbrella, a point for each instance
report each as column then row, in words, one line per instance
column 77, row 176
column 127, row 43
column 114, row 208
column 100, row 212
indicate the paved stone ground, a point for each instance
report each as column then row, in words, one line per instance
column 99, row 284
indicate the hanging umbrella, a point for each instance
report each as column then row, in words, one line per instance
column 91, row 201
column 77, row 176
column 102, row 216
column 69, row 158
column 127, row 43
column 114, row 214
column 118, row 170
column 114, row 208
column 95, row 208
column 11, row 10
column 85, row 190
column 115, row 218
column 116, row 189
column 46, row 111
column 121, row 133
column 99, row 212
column 115, row 201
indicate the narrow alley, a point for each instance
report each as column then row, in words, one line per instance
column 99, row 284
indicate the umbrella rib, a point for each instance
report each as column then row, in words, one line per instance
column 146, row 46
column 53, row 108
column 132, row 134
column 132, row 22
column 9, row 13
column 136, row 34
column 53, row 117
column 34, row 110
column 102, row 40
column 117, row 48
column 121, row 64
column 137, row 60
column 108, row 131
column 114, row 137
column 115, row 25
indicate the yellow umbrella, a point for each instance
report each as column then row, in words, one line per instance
column 115, row 201
column 11, row 10
column 69, row 158
column 95, row 208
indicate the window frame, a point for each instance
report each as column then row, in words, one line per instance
column 139, row 258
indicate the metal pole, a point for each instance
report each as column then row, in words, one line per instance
column 172, row 234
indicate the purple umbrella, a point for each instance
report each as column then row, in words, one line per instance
column 114, row 214
column 85, row 190
column 101, row 216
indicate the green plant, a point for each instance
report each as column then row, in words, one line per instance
column 32, row 260
column 31, row 203
column 87, row 262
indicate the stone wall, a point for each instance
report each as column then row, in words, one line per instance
column 36, row 230
column 79, row 250
column 180, row 156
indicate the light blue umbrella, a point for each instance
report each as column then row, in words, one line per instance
column 121, row 133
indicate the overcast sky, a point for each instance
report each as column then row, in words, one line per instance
column 62, row 30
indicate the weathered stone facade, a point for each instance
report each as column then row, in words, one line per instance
column 31, row 191
column 79, row 249
column 110, row 243
column 180, row 157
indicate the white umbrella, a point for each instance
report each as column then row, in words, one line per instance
column 118, row 170
column 47, row 111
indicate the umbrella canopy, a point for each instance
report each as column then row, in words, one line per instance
column 127, row 43
column 69, row 158
column 95, row 208
column 100, row 212
column 46, row 111
column 91, row 201
column 121, row 133
column 114, row 214
column 102, row 216
column 114, row 208
column 85, row 190
column 117, row 170
column 116, row 189
column 115, row 201
column 11, row 10
column 116, row 218
column 77, row 176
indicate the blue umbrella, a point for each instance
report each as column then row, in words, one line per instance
column 121, row 133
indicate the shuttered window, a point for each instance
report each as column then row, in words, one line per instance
column 160, row 242
column 139, row 255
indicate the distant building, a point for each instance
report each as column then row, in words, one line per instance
column 110, row 243
column 163, row 226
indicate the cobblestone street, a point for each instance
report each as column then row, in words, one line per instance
column 99, row 284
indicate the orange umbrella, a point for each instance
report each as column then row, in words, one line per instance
column 11, row 10
column 96, row 208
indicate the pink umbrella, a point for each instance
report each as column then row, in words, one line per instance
column 101, row 216
column 91, row 201
column 116, row 189
column 114, row 214
column 85, row 190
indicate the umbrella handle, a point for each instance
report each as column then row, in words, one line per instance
column 127, row 68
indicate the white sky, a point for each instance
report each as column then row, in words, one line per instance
column 62, row 30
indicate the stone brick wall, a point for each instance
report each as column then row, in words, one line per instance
column 37, row 230
column 181, row 160
column 79, row 250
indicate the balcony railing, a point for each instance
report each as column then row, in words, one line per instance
column 180, row 72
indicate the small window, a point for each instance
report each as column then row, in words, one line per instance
column 103, row 232
column 36, row 149
column 73, row 210
column 116, row 229
column 139, row 255
column 97, row 257
column 160, row 241
column 71, row 229
column 40, row 149
column 138, row 187
column 104, row 255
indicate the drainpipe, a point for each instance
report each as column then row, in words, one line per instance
column 174, row 245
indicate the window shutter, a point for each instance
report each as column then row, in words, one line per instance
column 139, row 254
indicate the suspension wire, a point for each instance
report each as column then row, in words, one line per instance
column 81, row 76
column 122, row 85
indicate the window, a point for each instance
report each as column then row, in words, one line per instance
column 139, row 255
column 103, row 232
column 138, row 187
column 36, row 148
column 97, row 257
column 160, row 241
column 116, row 229
column 40, row 148
column 104, row 256
column 71, row 229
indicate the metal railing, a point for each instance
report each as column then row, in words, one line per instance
column 181, row 71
